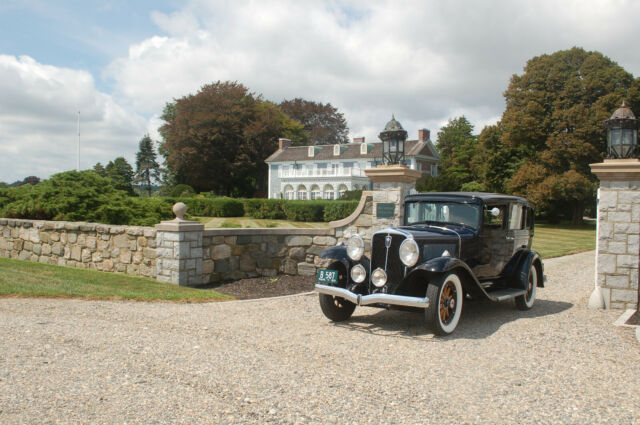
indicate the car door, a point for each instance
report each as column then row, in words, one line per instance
column 495, row 248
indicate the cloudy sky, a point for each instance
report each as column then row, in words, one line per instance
column 118, row 62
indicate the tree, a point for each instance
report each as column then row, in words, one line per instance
column 147, row 167
column 120, row 172
column 323, row 123
column 554, row 121
column 458, row 148
column 99, row 169
column 219, row 138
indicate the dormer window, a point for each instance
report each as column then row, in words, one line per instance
column 363, row 149
column 336, row 150
column 311, row 151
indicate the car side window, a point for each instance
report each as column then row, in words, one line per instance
column 516, row 217
column 492, row 221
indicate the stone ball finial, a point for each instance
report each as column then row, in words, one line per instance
column 179, row 209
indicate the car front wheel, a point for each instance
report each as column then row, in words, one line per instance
column 336, row 308
column 445, row 306
column 525, row 302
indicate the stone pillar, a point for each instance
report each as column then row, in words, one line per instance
column 618, row 234
column 179, row 249
column 391, row 184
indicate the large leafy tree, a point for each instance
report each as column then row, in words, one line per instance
column 121, row 174
column 458, row 148
column 147, row 168
column 554, row 121
column 218, row 138
column 323, row 123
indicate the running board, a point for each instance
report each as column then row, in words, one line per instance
column 505, row 294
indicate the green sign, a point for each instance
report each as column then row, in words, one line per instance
column 384, row 210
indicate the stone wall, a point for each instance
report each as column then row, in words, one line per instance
column 246, row 253
column 618, row 243
column 184, row 253
column 125, row 249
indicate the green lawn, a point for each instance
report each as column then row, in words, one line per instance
column 555, row 240
column 254, row 223
column 28, row 279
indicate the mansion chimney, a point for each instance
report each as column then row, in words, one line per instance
column 423, row 134
column 358, row 140
column 283, row 143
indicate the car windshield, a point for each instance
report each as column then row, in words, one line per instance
column 442, row 213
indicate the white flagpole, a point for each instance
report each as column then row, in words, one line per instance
column 78, row 164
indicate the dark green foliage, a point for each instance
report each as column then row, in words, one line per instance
column 265, row 208
column 338, row 210
column 309, row 211
column 80, row 196
column 351, row 195
column 314, row 211
column 120, row 172
column 147, row 168
column 213, row 207
column 182, row 190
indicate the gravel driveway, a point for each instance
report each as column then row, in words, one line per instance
column 281, row 361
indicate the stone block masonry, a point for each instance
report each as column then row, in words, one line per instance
column 124, row 249
column 231, row 254
column 618, row 243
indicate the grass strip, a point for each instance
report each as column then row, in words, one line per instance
column 28, row 279
column 554, row 240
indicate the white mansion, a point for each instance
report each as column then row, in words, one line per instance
column 327, row 171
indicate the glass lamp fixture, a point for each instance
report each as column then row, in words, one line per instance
column 622, row 133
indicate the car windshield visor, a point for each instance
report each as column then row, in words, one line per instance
column 441, row 213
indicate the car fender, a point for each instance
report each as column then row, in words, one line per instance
column 441, row 265
column 339, row 253
column 524, row 264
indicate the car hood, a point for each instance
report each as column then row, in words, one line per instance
column 426, row 231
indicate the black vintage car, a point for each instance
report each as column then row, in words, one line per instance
column 453, row 246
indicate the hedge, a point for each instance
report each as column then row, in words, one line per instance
column 315, row 211
column 211, row 207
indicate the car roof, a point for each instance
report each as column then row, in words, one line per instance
column 466, row 196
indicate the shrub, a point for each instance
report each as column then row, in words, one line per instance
column 81, row 196
column 304, row 210
column 182, row 190
column 271, row 209
column 351, row 195
column 339, row 209
column 214, row 207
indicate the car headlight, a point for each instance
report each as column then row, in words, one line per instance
column 358, row 273
column 409, row 252
column 355, row 247
column 379, row 277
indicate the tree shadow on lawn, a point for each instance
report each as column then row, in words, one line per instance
column 480, row 319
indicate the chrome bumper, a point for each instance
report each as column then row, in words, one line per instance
column 358, row 299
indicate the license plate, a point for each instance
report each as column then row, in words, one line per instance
column 328, row 276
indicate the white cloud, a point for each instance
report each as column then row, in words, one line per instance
column 38, row 120
column 424, row 61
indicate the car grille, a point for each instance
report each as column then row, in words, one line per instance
column 394, row 267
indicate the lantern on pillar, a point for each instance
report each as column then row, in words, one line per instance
column 393, row 137
column 622, row 133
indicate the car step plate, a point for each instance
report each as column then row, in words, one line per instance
column 506, row 293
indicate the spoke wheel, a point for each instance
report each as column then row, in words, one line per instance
column 525, row 302
column 445, row 306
